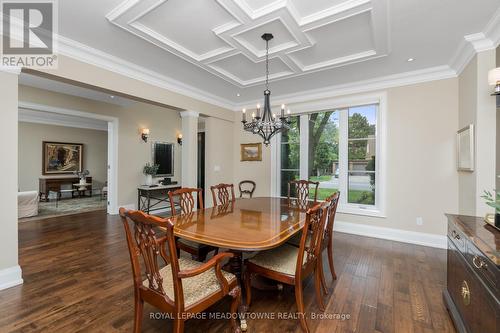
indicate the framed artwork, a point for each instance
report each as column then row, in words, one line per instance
column 465, row 149
column 59, row 158
column 251, row 152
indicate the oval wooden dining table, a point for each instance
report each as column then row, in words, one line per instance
column 243, row 225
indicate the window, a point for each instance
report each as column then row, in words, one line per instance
column 290, row 154
column 337, row 148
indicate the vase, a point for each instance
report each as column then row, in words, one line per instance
column 149, row 180
column 83, row 181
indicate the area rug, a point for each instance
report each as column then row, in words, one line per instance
column 67, row 207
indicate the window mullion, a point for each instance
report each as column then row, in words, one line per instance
column 304, row 147
column 343, row 154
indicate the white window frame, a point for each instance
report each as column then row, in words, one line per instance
column 342, row 104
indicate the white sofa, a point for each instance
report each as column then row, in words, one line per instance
column 27, row 204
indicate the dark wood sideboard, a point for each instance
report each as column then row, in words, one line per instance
column 54, row 184
column 473, row 275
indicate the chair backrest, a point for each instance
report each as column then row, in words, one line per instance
column 144, row 243
column 248, row 191
column 302, row 191
column 221, row 192
column 186, row 200
column 333, row 202
column 310, row 247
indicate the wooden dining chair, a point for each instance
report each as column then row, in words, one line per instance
column 249, row 190
column 301, row 191
column 291, row 265
column 187, row 206
column 223, row 192
column 327, row 242
column 183, row 287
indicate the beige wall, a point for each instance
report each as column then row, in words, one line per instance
column 133, row 153
column 8, row 181
column 421, row 179
column 259, row 172
column 31, row 136
column 218, row 155
column 477, row 107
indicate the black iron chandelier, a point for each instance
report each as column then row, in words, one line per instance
column 267, row 124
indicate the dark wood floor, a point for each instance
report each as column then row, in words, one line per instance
column 78, row 278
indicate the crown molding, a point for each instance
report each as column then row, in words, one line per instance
column 390, row 81
column 89, row 55
column 56, row 119
column 11, row 70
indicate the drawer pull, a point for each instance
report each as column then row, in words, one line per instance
column 465, row 291
column 455, row 234
column 478, row 263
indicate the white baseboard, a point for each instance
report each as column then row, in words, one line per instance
column 398, row 235
column 10, row 277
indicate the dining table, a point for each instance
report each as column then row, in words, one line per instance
column 243, row 226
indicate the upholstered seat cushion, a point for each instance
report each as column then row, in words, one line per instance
column 195, row 288
column 282, row 259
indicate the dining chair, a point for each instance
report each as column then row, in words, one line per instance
column 301, row 192
column 223, row 192
column 249, row 190
column 291, row 265
column 187, row 206
column 183, row 287
column 327, row 242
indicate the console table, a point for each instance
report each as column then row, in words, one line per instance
column 473, row 275
column 150, row 199
column 53, row 184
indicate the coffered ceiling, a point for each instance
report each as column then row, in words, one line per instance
column 223, row 36
column 213, row 48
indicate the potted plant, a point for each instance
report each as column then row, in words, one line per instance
column 495, row 203
column 150, row 171
column 83, row 176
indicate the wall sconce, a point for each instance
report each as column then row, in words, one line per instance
column 494, row 80
column 179, row 139
column 145, row 134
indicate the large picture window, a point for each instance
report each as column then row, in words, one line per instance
column 337, row 148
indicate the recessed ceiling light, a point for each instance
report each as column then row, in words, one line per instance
column 238, row 95
column 410, row 59
column 111, row 96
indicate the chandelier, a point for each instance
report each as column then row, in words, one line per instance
column 266, row 124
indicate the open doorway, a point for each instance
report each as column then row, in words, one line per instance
column 67, row 158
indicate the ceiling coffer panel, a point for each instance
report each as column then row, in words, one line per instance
column 223, row 36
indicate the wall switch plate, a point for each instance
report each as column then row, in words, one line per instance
column 216, row 168
column 420, row 221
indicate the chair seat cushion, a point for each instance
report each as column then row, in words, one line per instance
column 195, row 288
column 282, row 259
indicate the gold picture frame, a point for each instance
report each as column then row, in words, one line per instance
column 251, row 152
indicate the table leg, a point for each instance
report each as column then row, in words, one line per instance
column 235, row 265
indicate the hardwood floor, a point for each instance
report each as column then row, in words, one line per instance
column 77, row 278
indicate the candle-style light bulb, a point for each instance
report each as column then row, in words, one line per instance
column 253, row 116
column 244, row 115
column 288, row 114
column 258, row 110
column 282, row 110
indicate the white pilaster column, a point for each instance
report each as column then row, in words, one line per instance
column 189, row 148
column 10, row 272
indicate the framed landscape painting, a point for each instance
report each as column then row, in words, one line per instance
column 251, row 152
column 61, row 158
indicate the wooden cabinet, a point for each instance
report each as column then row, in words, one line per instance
column 53, row 184
column 471, row 295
